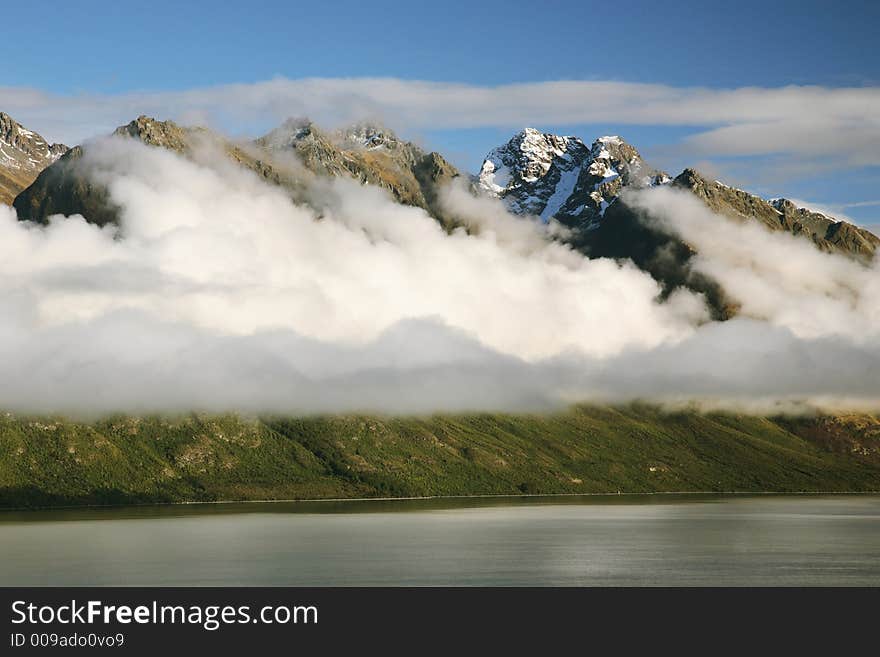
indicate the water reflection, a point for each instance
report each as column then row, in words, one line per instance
column 663, row 540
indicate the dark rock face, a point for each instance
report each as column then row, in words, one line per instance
column 64, row 188
column 23, row 154
column 624, row 234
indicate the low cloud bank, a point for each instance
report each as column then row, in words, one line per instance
column 218, row 293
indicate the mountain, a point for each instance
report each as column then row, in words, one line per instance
column 287, row 157
column 52, row 461
column 66, row 187
column 554, row 176
column 827, row 233
column 535, row 173
column 23, row 155
column 366, row 152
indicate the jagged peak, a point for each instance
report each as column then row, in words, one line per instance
column 10, row 130
column 24, row 149
column 291, row 131
column 614, row 147
column 533, row 144
column 143, row 124
column 369, row 134
column 8, row 125
column 787, row 206
column 693, row 179
column 154, row 132
column 558, row 175
column 528, row 155
column 690, row 177
column 609, row 139
column 531, row 139
column 781, row 203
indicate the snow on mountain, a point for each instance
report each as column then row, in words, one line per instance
column 23, row 149
column 368, row 136
column 553, row 176
column 23, row 154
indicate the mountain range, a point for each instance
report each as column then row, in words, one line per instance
column 561, row 177
column 289, row 156
column 52, row 460
column 537, row 174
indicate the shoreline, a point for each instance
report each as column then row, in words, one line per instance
column 438, row 498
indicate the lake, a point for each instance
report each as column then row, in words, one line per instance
column 600, row 541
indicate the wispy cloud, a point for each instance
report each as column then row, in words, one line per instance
column 840, row 126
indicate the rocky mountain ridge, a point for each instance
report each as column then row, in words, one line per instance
column 827, row 233
column 368, row 153
column 287, row 156
column 534, row 173
column 554, row 176
column 23, row 155
column 559, row 177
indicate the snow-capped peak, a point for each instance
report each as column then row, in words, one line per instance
column 24, row 149
column 526, row 159
column 559, row 176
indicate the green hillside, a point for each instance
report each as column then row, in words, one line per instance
column 123, row 460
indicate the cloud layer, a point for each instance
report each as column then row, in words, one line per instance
column 839, row 125
column 218, row 293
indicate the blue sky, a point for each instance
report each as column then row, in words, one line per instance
column 95, row 48
column 175, row 45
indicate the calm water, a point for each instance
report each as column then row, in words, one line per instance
column 644, row 541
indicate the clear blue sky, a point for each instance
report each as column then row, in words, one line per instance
column 103, row 46
column 99, row 45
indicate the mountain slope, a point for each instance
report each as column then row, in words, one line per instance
column 828, row 234
column 370, row 154
column 23, row 155
column 66, row 187
column 534, row 173
column 552, row 176
column 634, row 449
column 288, row 156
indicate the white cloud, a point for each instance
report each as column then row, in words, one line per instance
column 776, row 277
column 219, row 293
column 803, row 122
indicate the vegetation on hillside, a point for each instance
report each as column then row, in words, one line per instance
column 124, row 460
